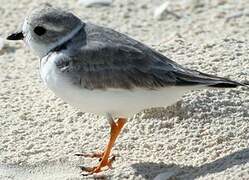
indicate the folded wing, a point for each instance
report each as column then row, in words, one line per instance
column 110, row 59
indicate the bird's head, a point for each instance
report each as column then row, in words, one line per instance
column 47, row 27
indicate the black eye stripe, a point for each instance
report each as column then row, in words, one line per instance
column 39, row 30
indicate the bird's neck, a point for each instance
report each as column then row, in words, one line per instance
column 65, row 41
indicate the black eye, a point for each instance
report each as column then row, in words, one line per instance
column 39, row 30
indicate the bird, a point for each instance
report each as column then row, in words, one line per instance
column 102, row 71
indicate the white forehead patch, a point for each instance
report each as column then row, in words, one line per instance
column 25, row 26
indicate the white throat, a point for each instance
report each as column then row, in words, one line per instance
column 43, row 49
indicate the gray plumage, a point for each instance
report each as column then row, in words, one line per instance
column 52, row 19
column 103, row 58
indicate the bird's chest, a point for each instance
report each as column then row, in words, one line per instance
column 48, row 72
column 52, row 76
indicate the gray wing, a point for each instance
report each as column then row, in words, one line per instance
column 108, row 59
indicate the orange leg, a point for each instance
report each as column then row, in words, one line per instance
column 104, row 157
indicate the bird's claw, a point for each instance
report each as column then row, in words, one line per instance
column 97, row 169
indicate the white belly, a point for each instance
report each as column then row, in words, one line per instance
column 117, row 102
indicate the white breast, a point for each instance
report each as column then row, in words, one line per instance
column 118, row 102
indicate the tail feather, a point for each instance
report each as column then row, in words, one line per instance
column 191, row 77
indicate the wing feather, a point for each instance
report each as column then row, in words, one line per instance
column 108, row 59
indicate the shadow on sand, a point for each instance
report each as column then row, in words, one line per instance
column 149, row 170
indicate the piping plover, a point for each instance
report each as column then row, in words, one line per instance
column 103, row 71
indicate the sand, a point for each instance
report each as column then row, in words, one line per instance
column 205, row 135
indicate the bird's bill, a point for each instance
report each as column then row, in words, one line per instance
column 16, row 36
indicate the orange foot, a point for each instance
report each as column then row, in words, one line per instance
column 104, row 157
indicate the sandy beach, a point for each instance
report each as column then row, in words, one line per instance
column 205, row 135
